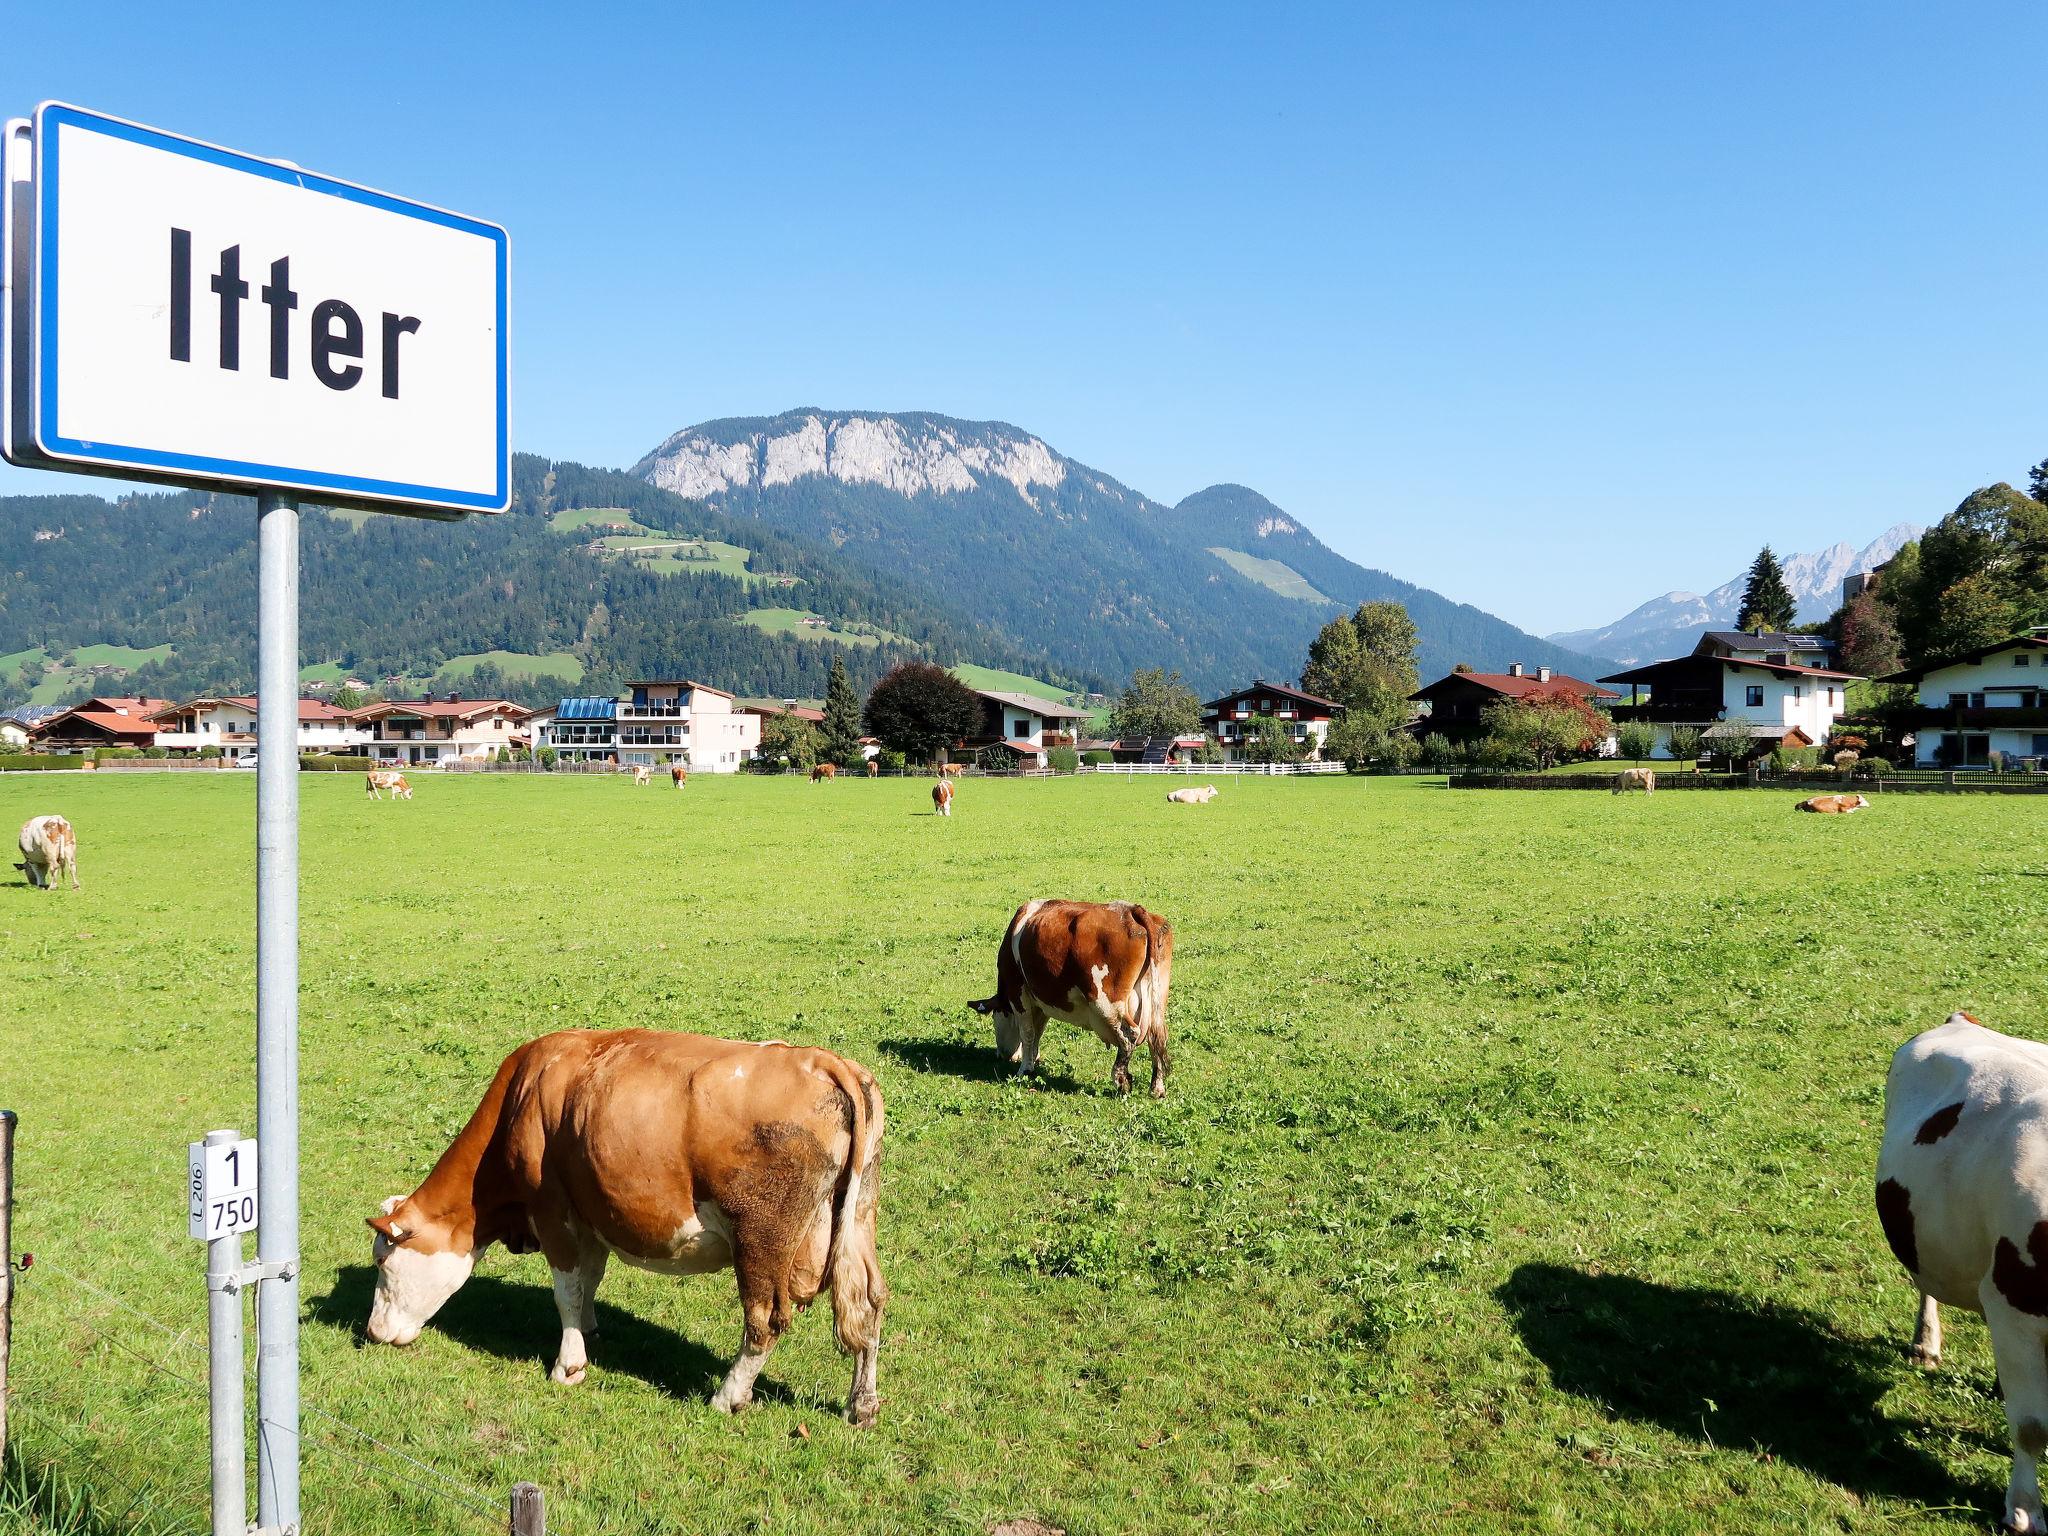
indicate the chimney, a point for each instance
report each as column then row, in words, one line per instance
column 1515, row 669
column 1543, row 674
column 455, row 698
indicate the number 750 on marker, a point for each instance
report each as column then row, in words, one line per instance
column 221, row 1183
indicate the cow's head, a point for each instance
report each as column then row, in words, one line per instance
column 1009, row 1036
column 420, row 1264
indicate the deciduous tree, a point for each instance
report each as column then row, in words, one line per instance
column 1156, row 703
column 919, row 710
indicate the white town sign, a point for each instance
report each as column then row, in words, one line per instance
column 193, row 315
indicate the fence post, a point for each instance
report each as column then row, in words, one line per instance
column 529, row 1511
column 224, row 1399
column 7, row 1121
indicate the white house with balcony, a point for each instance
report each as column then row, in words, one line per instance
column 1782, row 703
column 432, row 731
column 229, row 724
column 1993, row 699
column 1305, row 717
column 662, row 721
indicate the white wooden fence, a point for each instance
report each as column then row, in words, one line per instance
column 1212, row 768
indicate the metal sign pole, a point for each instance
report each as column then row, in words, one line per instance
column 277, row 1012
column 224, row 1373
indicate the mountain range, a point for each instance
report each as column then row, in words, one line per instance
column 1058, row 558
column 1671, row 625
column 748, row 552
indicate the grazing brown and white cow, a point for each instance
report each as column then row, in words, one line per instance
column 874, row 769
column 1834, row 805
column 1105, row 966
column 49, row 849
column 1200, row 796
column 378, row 780
column 681, row 1154
column 678, row 775
column 642, row 775
column 1962, row 1193
column 942, row 798
column 951, row 770
column 823, row 771
column 1644, row 779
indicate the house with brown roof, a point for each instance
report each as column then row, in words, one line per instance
column 428, row 731
column 101, row 721
column 229, row 723
column 1778, row 702
column 1306, row 717
column 1455, row 705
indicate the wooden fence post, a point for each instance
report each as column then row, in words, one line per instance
column 529, row 1511
column 7, row 1121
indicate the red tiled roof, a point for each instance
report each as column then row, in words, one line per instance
column 117, row 716
column 458, row 709
column 309, row 709
column 1507, row 684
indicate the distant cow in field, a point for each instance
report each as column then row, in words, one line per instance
column 1834, row 805
column 642, row 775
column 1644, row 779
column 49, row 849
column 678, row 775
column 874, row 769
column 951, row 770
column 679, row 1153
column 380, row 780
column 824, row 771
column 942, row 798
column 1105, row 966
column 1192, row 796
column 1962, row 1193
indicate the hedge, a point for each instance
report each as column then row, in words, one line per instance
column 1676, row 780
column 322, row 762
column 37, row 762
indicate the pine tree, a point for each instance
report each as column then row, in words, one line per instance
column 1767, row 603
column 842, row 718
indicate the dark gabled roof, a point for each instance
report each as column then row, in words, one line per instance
column 1262, row 686
column 1748, row 640
column 2031, row 641
column 1650, row 671
column 1509, row 686
column 587, row 709
column 678, row 682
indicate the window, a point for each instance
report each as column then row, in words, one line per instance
column 2020, row 660
column 1831, row 695
column 1976, row 701
column 1959, row 701
column 1753, row 696
column 1798, row 692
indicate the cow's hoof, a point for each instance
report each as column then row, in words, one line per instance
column 724, row 1404
column 862, row 1412
column 1159, row 1090
column 563, row 1376
column 2021, row 1522
column 1926, row 1359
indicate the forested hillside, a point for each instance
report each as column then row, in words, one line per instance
column 84, row 580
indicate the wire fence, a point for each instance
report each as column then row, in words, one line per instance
column 320, row 1431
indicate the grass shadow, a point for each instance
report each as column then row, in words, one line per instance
column 1720, row 1369
column 515, row 1319
column 974, row 1063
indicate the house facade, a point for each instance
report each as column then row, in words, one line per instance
column 1307, row 718
column 1990, row 700
column 1455, row 706
column 101, row 721
column 1780, row 702
column 1769, row 646
column 1023, row 724
column 429, row 731
column 674, row 720
column 230, row 724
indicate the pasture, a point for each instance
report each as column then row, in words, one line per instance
column 1515, row 1171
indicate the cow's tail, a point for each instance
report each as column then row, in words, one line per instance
column 1153, row 979
column 858, row 1293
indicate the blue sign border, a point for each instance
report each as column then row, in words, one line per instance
column 161, row 463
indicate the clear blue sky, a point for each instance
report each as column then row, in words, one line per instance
column 1550, row 308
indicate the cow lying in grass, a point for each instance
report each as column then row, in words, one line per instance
column 1200, row 796
column 49, row 850
column 1834, row 805
column 1962, row 1193
column 679, row 1153
column 1105, row 966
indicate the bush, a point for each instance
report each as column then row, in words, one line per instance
column 1438, row 752
column 209, row 753
column 505, row 755
column 1635, row 739
column 334, row 762
column 547, row 757
column 38, row 762
column 1794, row 759
column 1097, row 758
column 113, row 754
column 1685, row 743
column 1063, row 759
column 1872, row 767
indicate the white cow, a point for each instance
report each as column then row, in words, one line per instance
column 49, row 848
column 1200, row 796
column 1962, row 1192
column 1644, row 779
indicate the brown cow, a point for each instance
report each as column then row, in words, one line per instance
column 678, row 775
column 874, row 769
column 942, row 798
column 1105, row 966
column 49, row 849
column 1834, row 805
column 679, row 1153
column 1644, row 779
column 823, row 771
column 951, row 770
column 378, row 780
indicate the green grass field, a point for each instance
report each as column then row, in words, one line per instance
column 560, row 665
column 1274, row 575
column 60, row 678
column 789, row 621
column 1515, row 1174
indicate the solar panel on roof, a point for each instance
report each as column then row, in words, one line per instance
column 587, row 709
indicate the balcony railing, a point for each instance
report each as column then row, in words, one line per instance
column 1989, row 717
column 664, row 709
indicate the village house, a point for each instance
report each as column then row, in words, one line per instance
column 13, row 733
column 678, row 721
column 101, row 721
column 1020, row 724
column 429, row 731
column 1769, row 646
column 1990, row 700
column 1306, row 717
column 578, row 730
column 1455, row 706
column 1780, row 703
column 229, row 724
